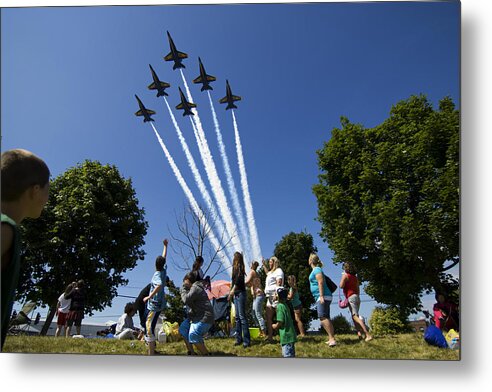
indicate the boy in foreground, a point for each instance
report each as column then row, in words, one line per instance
column 285, row 325
column 25, row 191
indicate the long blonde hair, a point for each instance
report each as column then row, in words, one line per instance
column 276, row 263
column 314, row 260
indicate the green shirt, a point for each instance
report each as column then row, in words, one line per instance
column 287, row 332
column 10, row 277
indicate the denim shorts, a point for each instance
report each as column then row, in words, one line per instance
column 193, row 332
column 324, row 309
column 289, row 350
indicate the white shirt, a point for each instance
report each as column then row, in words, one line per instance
column 64, row 304
column 124, row 322
column 271, row 280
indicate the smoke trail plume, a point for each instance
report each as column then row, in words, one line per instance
column 194, row 205
column 212, row 175
column 230, row 183
column 247, row 198
column 196, row 174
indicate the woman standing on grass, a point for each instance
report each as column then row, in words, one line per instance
column 253, row 280
column 76, row 313
column 293, row 297
column 322, row 295
column 274, row 280
column 350, row 285
column 238, row 292
column 62, row 309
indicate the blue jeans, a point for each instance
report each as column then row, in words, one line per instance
column 193, row 332
column 258, row 311
column 242, row 328
column 289, row 350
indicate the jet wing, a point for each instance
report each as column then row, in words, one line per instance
column 139, row 113
column 150, row 111
column 223, row 100
column 211, row 78
column 182, row 55
column 165, row 85
column 152, row 86
column 192, row 105
column 198, row 80
column 169, row 57
column 236, row 98
column 180, row 106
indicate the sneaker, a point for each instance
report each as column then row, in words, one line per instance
column 331, row 344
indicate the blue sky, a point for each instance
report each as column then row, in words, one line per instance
column 69, row 76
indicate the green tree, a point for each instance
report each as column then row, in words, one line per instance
column 293, row 251
column 91, row 229
column 387, row 321
column 388, row 200
column 340, row 324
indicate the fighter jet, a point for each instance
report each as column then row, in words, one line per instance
column 185, row 105
column 229, row 98
column 204, row 78
column 175, row 55
column 146, row 113
column 157, row 84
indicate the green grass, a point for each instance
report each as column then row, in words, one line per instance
column 406, row 346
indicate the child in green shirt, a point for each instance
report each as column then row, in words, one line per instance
column 285, row 325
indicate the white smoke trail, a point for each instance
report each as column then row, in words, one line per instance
column 230, row 183
column 194, row 205
column 212, row 175
column 247, row 198
column 196, row 174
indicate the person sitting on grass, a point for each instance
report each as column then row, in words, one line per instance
column 124, row 327
column 200, row 315
column 285, row 325
column 445, row 313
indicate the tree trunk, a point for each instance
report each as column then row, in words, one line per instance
column 48, row 321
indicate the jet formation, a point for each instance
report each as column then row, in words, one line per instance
column 146, row 113
column 203, row 78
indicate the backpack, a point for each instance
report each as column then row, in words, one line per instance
column 331, row 285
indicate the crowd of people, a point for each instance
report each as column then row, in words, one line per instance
column 277, row 305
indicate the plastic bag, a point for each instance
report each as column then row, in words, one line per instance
column 453, row 339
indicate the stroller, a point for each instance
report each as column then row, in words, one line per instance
column 222, row 312
column 217, row 294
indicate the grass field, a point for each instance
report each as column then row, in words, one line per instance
column 406, row 346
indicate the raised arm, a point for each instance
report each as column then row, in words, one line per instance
column 164, row 251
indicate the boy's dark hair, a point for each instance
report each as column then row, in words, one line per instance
column 129, row 307
column 254, row 265
column 159, row 263
column 80, row 283
column 191, row 276
column 21, row 169
column 282, row 294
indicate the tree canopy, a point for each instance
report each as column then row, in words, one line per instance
column 293, row 251
column 91, row 228
column 388, row 200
